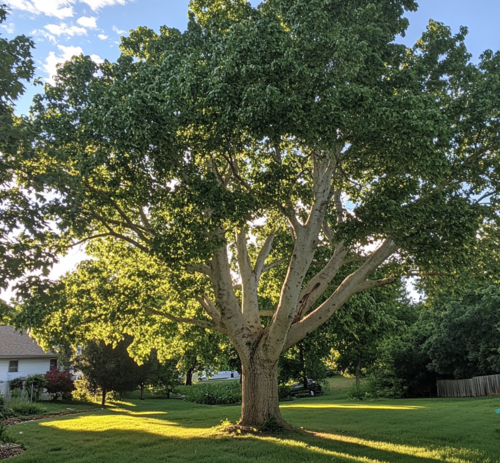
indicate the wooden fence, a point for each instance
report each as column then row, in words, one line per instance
column 479, row 386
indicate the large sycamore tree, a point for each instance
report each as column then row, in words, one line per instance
column 250, row 160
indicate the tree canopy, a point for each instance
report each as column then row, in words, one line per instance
column 248, row 161
column 24, row 234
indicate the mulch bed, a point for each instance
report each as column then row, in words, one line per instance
column 17, row 420
column 10, row 450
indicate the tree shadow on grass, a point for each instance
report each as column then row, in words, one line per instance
column 123, row 437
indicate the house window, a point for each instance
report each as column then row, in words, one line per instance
column 53, row 364
column 13, row 366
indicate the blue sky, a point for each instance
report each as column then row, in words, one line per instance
column 61, row 28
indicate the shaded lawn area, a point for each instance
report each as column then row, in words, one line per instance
column 336, row 430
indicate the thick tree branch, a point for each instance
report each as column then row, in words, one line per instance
column 232, row 319
column 354, row 283
column 101, row 235
column 210, row 309
column 249, row 282
column 263, row 254
column 129, row 223
column 327, row 231
column 338, row 206
column 117, row 223
column 302, row 256
column 372, row 284
column 319, row 283
column 199, row 268
column 234, row 169
column 290, row 214
column 126, row 238
column 145, row 221
column 274, row 264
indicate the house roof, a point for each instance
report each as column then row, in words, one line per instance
column 15, row 344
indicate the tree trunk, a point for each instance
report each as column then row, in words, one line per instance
column 189, row 377
column 142, row 391
column 260, row 400
column 303, row 365
column 103, row 402
column 358, row 371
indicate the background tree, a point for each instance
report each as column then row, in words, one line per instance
column 261, row 136
column 107, row 368
column 449, row 337
column 351, row 340
column 26, row 241
column 164, row 376
column 7, row 313
column 362, row 326
column 465, row 339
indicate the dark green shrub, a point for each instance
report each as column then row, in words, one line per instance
column 284, row 392
column 364, row 391
column 26, row 409
column 215, row 393
column 6, row 412
column 4, row 438
column 16, row 383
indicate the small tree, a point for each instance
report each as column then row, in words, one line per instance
column 164, row 377
column 59, row 383
column 107, row 368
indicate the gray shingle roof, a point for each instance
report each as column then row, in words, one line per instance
column 14, row 344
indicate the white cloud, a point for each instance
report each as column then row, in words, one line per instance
column 59, row 8
column 51, row 62
column 88, row 22
column 96, row 59
column 63, row 28
column 102, row 36
column 44, row 34
column 10, row 28
column 96, row 4
column 118, row 31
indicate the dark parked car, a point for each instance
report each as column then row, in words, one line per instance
column 312, row 389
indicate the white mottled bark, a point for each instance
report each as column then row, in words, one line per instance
column 259, row 348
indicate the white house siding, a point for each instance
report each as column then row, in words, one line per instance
column 27, row 367
column 4, row 368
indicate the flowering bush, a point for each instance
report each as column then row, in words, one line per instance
column 59, row 383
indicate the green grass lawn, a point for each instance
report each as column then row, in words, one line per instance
column 335, row 430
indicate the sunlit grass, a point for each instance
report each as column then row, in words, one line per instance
column 335, row 430
column 352, row 406
column 127, row 423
